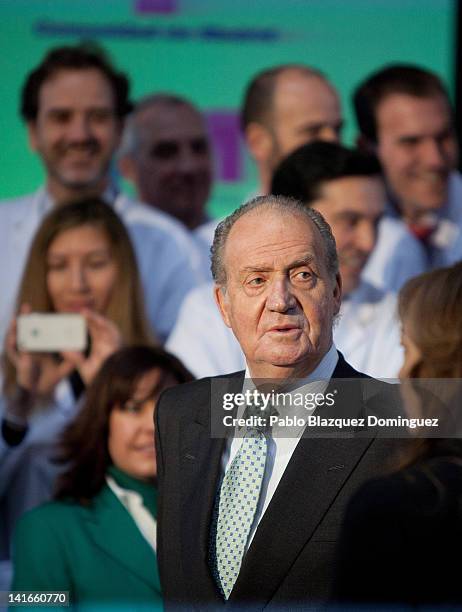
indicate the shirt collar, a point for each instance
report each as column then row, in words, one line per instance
column 312, row 384
column 130, row 486
column 46, row 202
column 323, row 370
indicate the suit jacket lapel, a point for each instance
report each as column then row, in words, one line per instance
column 114, row 531
column 304, row 495
column 201, row 460
column 344, row 370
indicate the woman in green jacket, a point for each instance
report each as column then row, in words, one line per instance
column 98, row 539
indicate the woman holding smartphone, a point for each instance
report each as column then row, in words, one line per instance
column 81, row 261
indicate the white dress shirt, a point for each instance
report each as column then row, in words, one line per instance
column 133, row 504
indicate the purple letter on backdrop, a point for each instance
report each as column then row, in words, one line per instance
column 156, row 6
column 224, row 132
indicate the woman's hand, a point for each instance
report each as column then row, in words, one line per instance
column 105, row 340
column 36, row 373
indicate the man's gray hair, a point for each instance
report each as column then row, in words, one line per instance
column 281, row 204
column 131, row 135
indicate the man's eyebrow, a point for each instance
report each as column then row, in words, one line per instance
column 59, row 108
column 303, row 261
column 309, row 127
column 410, row 137
column 298, row 263
column 256, row 269
column 319, row 125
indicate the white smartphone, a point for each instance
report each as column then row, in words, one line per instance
column 51, row 333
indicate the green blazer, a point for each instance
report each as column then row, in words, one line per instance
column 97, row 553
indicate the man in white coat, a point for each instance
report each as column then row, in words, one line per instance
column 346, row 187
column 166, row 154
column 404, row 115
column 74, row 103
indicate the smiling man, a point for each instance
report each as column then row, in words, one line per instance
column 74, row 104
column 73, row 127
column 346, row 187
column 404, row 114
column 277, row 285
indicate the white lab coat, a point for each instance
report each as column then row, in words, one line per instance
column 447, row 239
column 203, row 236
column 397, row 256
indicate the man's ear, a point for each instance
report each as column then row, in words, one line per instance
column 221, row 300
column 32, row 135
column 127, row 168
column 259, row 141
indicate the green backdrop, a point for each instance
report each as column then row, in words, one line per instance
column 207, row 50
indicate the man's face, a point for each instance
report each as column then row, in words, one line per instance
column 280, row 299
column 76, row 131
column 418, row 150
column 305, row 109
column 172, row 168
column 352, row 206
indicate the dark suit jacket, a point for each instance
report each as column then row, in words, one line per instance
column 291, row 555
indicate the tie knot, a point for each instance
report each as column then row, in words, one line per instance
column 260, row 417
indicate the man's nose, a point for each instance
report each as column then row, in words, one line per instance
column 366, row 237
column 434, row 154
column 280, row 297
column 187, row 159
column 79, row 129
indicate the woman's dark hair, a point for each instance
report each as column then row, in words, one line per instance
column 84, row 445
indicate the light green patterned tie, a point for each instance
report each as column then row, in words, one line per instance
column 239, row 495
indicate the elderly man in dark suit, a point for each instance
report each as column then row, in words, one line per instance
column 252, row 519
